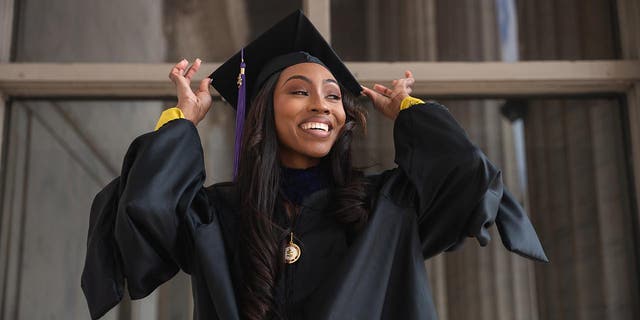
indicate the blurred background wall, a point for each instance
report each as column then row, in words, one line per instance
column 565, row 158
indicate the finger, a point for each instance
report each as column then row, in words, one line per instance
column 368, row 92
column 193, row 69
column 178, row 69
column 183, row 66
column 409, row 82
column 394, row 82
column 382, row 89
column 182, row 84
column 375, row 96
column 362, row 90
column 187, row 71
column 180, row 66
column 204, row 98
column 408, row 74
column 204, row 85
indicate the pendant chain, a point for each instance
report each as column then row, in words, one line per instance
column 292, row 251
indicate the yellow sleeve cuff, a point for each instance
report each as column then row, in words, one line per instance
column 168, row 115
column 409, row 101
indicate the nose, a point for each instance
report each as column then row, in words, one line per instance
column 318, row 105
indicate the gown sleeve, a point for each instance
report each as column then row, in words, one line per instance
column 457, row 191
column 138, row 227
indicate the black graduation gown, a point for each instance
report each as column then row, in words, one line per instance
column 157, row 218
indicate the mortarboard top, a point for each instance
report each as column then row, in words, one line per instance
column 294, row 35
column 291, row 41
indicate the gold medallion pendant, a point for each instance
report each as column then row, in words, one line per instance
column 291, row 252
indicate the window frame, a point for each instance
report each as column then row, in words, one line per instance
column 436, row 79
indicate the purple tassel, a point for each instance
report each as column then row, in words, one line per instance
column 240, row 109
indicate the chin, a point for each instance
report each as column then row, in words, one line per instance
column 305, row 153
column 317, row 153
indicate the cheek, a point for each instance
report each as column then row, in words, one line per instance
column 284, row 120
column 341, row 118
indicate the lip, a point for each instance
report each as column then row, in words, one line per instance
column 317, row 133
column 318, row 119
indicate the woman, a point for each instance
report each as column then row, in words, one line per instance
column 299, row 234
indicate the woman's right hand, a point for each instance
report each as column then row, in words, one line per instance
column 194, row 105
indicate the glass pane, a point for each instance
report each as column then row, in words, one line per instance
column 87, row 31
column 464, row 30
column 567, row 30
column 376, row 30
column 579, row 198
column 147, row 31
column 60, row 154
column 406, row 30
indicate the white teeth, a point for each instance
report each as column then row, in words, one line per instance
column 315, row 125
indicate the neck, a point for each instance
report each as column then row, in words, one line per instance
column 297, row 184
column 294, row 160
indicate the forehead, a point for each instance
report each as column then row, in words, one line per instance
column 311, row 70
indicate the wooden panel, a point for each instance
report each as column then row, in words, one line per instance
column 433, row 79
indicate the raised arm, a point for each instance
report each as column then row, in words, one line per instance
column 456, row 190
column 140, row 223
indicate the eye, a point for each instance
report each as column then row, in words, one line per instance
column 334, row 97
column 299, row 93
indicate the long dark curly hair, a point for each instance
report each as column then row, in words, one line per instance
column 262, row 241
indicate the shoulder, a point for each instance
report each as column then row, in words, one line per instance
column 219, row 203
column 224, row 204
column 223, row 195
column 391, row 185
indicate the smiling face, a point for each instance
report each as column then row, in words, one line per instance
column 309, row 114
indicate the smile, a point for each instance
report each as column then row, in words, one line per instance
column 315, row 126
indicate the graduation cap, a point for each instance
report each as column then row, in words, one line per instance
column 291, row 41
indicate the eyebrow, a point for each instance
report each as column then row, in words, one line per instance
column 303, row 78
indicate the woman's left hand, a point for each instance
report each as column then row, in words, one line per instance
column 388, row 100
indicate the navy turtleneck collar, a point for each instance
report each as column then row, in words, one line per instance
column 297, row 184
